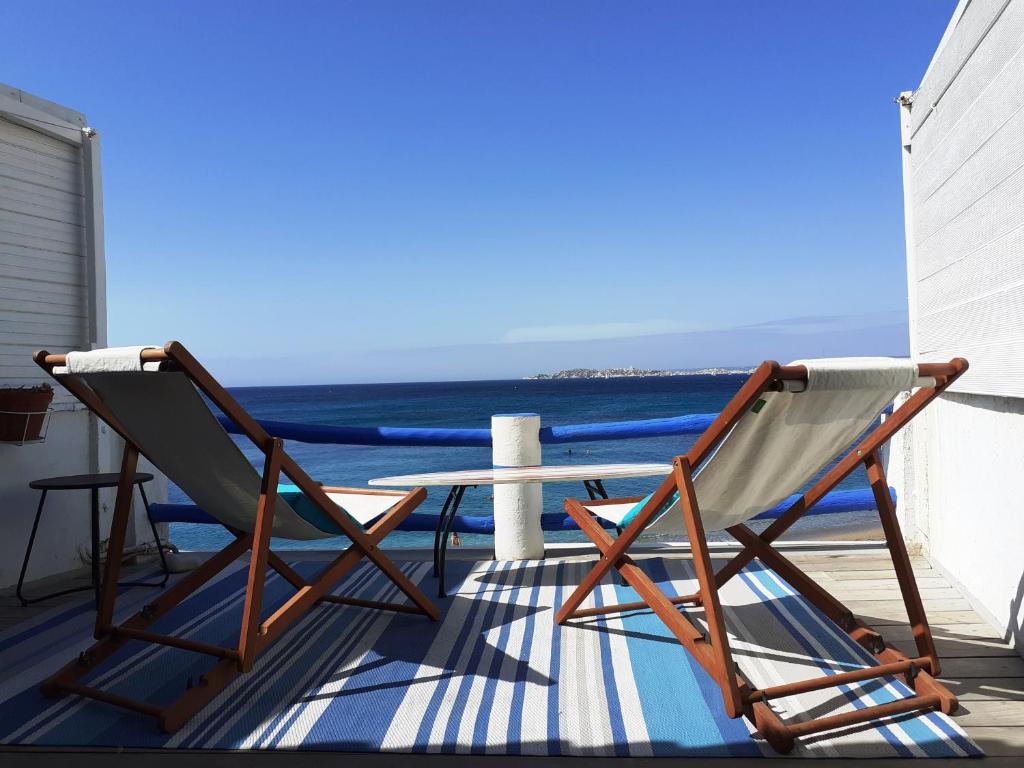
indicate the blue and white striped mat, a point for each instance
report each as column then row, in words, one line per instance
column 495, row 676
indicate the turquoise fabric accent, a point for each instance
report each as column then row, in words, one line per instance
column 631, row 515
column 310, row 512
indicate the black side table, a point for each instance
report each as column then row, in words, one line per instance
column 91, row 483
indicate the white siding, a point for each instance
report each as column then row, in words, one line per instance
column 966, row 199
column 959, row 467
column 43, row 266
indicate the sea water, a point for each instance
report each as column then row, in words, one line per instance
column 471, row 404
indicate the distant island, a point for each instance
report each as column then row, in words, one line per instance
column 618, row 373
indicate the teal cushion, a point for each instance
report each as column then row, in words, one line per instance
column 306, row 509
column 631, row 515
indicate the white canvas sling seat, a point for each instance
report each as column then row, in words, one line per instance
column 175, row 428
column 782, row 442
column 161, row 401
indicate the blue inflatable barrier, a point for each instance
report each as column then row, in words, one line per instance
column 407, row 436
column 853, row 500
column 690, row 424
column 693, row 424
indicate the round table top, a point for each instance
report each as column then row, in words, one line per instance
column 83, row 482
column 542, row 474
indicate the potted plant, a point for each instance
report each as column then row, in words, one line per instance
column 22, row 412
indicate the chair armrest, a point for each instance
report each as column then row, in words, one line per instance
column 364, row 491
column 602, row 502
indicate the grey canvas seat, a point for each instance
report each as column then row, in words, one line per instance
column 783, row 442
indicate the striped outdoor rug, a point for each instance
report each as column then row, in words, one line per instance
column 495, row 676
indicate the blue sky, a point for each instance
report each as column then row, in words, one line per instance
column 425, row 190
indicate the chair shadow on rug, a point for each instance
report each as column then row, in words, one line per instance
column 764, row 652
column 508, row 666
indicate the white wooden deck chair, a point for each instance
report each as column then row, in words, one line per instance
column 151, row 398
column 784, row 426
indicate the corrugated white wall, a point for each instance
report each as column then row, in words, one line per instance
column 965, row 131
column 959, row 468
column 43, row 270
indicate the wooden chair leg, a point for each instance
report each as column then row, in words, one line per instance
column 718, row 634
column 260, row 555
column 901, row 561
column 115, row 545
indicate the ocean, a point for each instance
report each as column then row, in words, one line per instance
column 471, row 404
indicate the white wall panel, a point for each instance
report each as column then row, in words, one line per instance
column 958, row 469
column 43, row 296
column 966, row 199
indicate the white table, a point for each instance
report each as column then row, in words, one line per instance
column 592, row 476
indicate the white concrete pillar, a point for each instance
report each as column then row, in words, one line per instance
column 517, row 508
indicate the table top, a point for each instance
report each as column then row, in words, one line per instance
column 83, row 482
column 543, row 474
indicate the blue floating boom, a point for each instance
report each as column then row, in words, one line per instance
column 408, row 436
column 692, row 424
column 854, row 500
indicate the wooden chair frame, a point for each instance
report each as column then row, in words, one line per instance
column 256, row 633
column 711, row 649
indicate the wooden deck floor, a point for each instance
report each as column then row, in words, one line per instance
column 986, row 674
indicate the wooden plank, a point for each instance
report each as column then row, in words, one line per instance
column 893, row 609
column 988, row 713
column 874, row 560
column 978, row 629
column 952, row 645
column 977, row 666
column 891, row 612
column 999, row 741
column 985, row 688
column 884, row 575
column 886, row 593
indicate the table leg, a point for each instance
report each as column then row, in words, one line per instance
column 595, row 488
column 459, row 491
column 95, row 493
column 440, row 529
column 156, row 536
column 28, row 550
column 159, row 549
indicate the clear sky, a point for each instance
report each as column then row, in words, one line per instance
column 360, row 191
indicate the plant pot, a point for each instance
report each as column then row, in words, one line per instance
column 30, row 401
